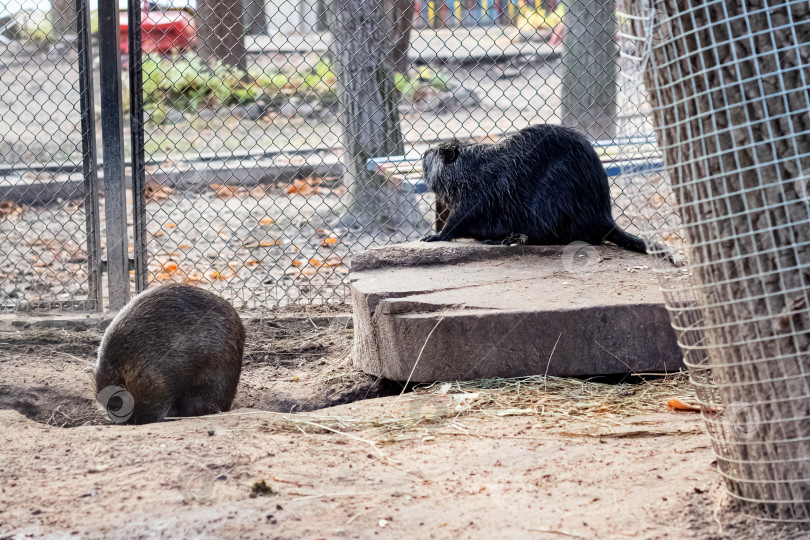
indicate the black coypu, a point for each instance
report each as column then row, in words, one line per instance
column 545, row 182
column 176, row 349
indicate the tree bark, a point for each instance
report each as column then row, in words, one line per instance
column 220, row 32
column 254, row 19
column 63, row 16
column 590, row 67
column 368, row 112
column 728, row 90
column 400, row 14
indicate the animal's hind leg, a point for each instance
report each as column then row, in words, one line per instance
column 196, row 402
column 212, row 394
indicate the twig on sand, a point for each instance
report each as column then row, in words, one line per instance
column 557, row 531
column 358, row 514
column 422, row 350
column 550, row 357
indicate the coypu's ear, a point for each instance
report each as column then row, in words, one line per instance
column 449, row 151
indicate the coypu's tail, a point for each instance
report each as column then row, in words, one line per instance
column 626, row 240
column 634, row 243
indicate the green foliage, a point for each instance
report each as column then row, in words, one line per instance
column 185, row 82
column 157, row 115
column 232, row 86
column 434, row 78
column 36, row 27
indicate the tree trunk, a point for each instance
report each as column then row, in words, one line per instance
column 254, row 19
column 400, row 15
column 590, row 68
column 220, row 32
column 730, row 104
column 63, row 16
column 368, row 112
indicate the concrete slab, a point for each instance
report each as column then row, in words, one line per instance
column 22, row 187
column 462, row 310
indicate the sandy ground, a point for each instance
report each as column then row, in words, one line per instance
column 387, row 467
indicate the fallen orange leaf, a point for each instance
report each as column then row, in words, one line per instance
column 254, row 262
column 155, row 193
column 195, row 276
column 333, row 260
column 163, row 276
column 678, row 404
column 170, row 266
column 298, row 263
column 226, row 192
column 299, row 187
column 214, row 275
column 265, row 221
column 329, row 241
column 272, row 243
column 184, row 246
column 315, row 262
column 171, row 225
column 8, row 208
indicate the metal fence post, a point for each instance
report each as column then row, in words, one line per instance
column 112, row 121
column 137, row 137
column 89, row 161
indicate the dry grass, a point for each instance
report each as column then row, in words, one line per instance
column 565, row 406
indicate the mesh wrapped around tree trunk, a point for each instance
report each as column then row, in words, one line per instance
column 729, row 87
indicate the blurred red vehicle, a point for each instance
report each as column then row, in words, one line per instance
column 162, row 31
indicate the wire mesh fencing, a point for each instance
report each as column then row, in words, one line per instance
column 49, row 256
column 729, row 86
column 271, row 157
column 269, row 140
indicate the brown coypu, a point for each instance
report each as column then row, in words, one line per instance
column 176, row 350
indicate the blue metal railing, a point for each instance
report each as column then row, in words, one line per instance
column 614, row 167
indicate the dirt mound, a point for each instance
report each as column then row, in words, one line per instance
column 290, row 364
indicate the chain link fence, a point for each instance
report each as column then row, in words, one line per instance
column 264, row 157
column 48, row 251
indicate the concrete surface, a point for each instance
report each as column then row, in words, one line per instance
column 451, row 45
column 462, row 310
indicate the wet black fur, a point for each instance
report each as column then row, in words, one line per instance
column 545, row 182
column 177, row 350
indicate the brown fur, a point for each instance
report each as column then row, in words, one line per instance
column 177, row 350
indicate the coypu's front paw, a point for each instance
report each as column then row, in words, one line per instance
column 431, row 238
